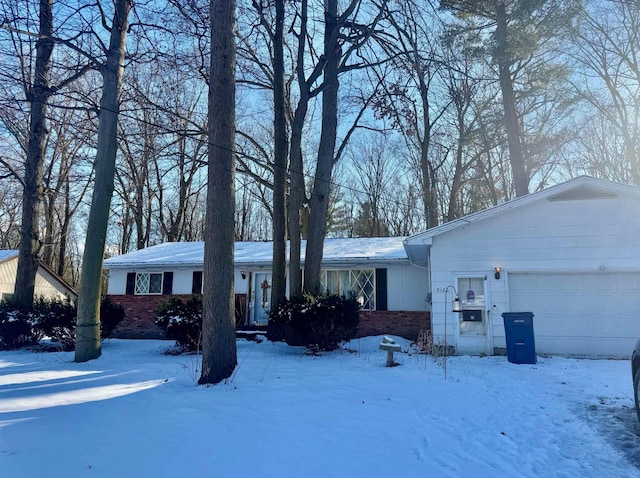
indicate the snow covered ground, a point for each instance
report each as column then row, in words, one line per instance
column 137, row 413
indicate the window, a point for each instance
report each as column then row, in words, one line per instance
column 472, row 318
column 357, row 283
column 148, row 283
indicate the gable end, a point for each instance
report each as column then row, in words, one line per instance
column 582, row 193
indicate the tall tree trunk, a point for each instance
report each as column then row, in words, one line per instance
column 48, row 202
column 456, row 181
column 64, row 232
column 511, row 117
column 429, row 186
column 38, row 98
column 219, row 355
column 319, row 202
column 297, row 194
column 278, row 285
column 88, row 326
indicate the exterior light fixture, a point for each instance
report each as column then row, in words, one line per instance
column 457, row 305
column 497, row 273
column 243, row 274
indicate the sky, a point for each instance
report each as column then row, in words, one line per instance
column 137, row 411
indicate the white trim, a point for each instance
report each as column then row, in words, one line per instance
column 135, row 285
column 488, row 331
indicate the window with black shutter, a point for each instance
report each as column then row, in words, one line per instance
column 381, row 289
column 131, row 283
column 167, row 283
column 196, row 284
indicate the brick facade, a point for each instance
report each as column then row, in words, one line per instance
column 407, row 324
column 140, row 311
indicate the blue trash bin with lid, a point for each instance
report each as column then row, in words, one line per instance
column 521, row 344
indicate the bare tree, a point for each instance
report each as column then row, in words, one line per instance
column 606, row 46
column 279, row 215
column 35, row 80
column 375, row 168
column 297, row 192
column 38, row 95
column 219, row 356
column 337, row 51
column 411, row 99
column 64, row 187
column 9, row 214
column 88, row 325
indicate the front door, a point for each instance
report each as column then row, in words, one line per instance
column 472, row 321
column 261, row 298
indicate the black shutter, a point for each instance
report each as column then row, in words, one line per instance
column 196, row 284
column 131, row 283
column 167, row 283
column 381, row 289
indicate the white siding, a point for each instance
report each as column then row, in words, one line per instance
column 543, row 236
column 45, row 286
column 182, row 282
column 48, row 286
column 8, row 271
column 117, row 282
column 407, row 288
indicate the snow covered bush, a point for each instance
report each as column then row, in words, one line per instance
column 17, row 326
column 316, row 322
column 181, row 321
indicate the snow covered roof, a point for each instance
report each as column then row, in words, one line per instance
column 7, row 254
column 247, row 254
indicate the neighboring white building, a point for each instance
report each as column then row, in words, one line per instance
column 570, row 254
column 377, row 271
column 48, row 283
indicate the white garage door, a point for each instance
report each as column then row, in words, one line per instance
column 585, row 314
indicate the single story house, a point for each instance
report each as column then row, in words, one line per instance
column 377, row 271
column 570, row 254
column 48, row 284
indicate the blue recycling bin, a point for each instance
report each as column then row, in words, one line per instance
column 521, row 344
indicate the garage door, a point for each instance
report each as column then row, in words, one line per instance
column 589, row 315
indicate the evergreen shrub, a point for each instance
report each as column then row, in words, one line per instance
column 56, row 319
column 316, row 322
column 53, row 318
column 111, row 315
column 181, row 321
column 17, row 326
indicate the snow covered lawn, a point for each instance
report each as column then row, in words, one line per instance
column 137, row 413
